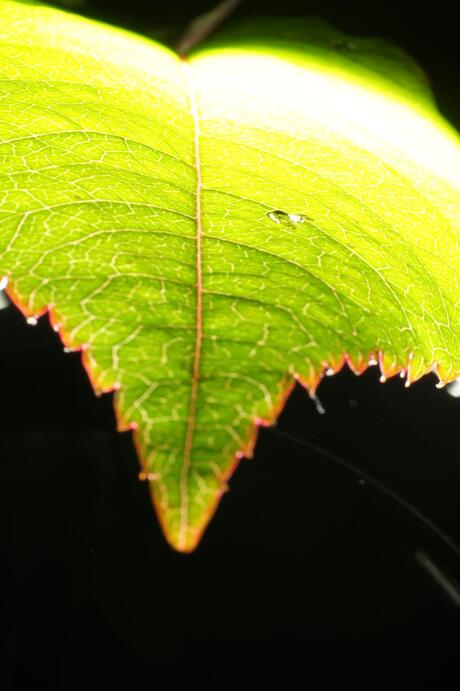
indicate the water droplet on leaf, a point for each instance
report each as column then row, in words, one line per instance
column 319, row 406
column 453, row 388
column 32, row 321
column 289, row 219
column 4, row 302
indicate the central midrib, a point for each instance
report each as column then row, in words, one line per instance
column 184, row 497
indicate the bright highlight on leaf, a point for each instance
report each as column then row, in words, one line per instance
column 209, row 232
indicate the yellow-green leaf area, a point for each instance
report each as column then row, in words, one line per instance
column 210, row 231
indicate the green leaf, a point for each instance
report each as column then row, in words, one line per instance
column 210, row 232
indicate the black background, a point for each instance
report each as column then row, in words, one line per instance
column 306, row 570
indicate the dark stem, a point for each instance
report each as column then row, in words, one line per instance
column 204, row 25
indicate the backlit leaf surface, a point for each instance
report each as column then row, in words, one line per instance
column 210, row 231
